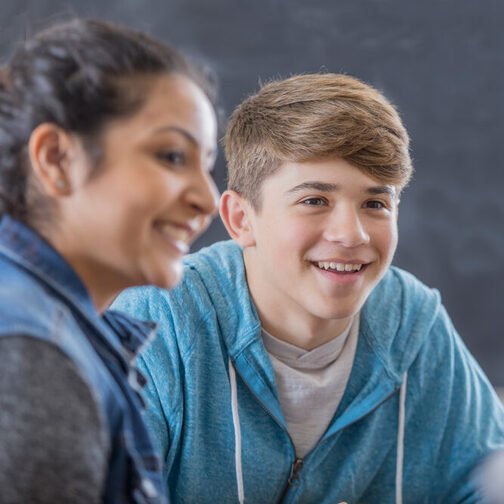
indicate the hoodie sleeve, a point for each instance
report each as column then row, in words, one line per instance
column 456, row 416
column 160, row 364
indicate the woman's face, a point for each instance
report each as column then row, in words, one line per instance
column 133, row 219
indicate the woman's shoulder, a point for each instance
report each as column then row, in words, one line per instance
column 26, row 306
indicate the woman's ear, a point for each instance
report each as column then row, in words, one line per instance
column 49, row 149
column 236, row 213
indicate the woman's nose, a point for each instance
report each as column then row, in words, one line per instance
column 204, row 195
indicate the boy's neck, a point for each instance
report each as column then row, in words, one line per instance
column 287, row 322
column 305, row 336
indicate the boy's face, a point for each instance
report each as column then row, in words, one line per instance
column 323, row 238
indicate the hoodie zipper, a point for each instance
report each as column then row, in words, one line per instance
column 297, row 464
column 294, row 479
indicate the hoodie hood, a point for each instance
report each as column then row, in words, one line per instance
column 407, row 309
column 221, row 270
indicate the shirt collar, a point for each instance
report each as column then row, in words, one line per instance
column 317, row 358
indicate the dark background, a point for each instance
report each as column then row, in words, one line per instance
column 440, row 62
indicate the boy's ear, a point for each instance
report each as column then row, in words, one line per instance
column 49, row 150
column 235, row 212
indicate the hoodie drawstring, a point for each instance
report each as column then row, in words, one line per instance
column 238, row 447
column 237, row 432
column 400, row 440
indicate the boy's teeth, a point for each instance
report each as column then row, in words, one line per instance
column 339, row 266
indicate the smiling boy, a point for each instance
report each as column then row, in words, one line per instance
column 294, row 363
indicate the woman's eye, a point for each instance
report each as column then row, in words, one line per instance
column 171, row 157
column 313, row 202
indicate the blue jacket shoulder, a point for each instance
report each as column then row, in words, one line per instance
column 398, row 317
column 26, row 307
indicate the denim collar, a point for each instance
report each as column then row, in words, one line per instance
column 29, row 250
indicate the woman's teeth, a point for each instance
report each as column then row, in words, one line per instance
column 175, row 232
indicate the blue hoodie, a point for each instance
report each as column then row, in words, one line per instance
column 417, row 415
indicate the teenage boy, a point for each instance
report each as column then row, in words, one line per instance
column 294, row 363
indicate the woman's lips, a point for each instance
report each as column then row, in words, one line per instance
column 177, row 235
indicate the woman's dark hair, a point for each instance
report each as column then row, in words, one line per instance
column 78, row 75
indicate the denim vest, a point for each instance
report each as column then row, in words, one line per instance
column 43, row 298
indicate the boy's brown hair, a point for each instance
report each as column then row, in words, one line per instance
column 315, row 116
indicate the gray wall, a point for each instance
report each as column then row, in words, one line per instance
column 441, row 63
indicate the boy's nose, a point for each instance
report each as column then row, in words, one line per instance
column 346, row 227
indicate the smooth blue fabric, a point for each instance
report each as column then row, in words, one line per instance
column 453, row 417
column 41, row 297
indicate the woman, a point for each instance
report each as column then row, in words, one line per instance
column 106, row 142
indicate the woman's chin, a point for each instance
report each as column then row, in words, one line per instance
column 171, row 276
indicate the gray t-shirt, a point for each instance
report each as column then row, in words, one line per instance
column 490, row 478
column 53, row 444
column 311, row 383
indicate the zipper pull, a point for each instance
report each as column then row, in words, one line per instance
column 297, row 465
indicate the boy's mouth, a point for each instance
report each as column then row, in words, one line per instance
column 342, row 268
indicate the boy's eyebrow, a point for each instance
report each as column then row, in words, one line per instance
column 316, row 186
column 383, row 189
column 328, row 187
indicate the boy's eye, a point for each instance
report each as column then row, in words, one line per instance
column 313, row 202
column 375, row 204
column 171, row 157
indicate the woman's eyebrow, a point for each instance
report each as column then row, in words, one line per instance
column 182, row 131
column 163, row 129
